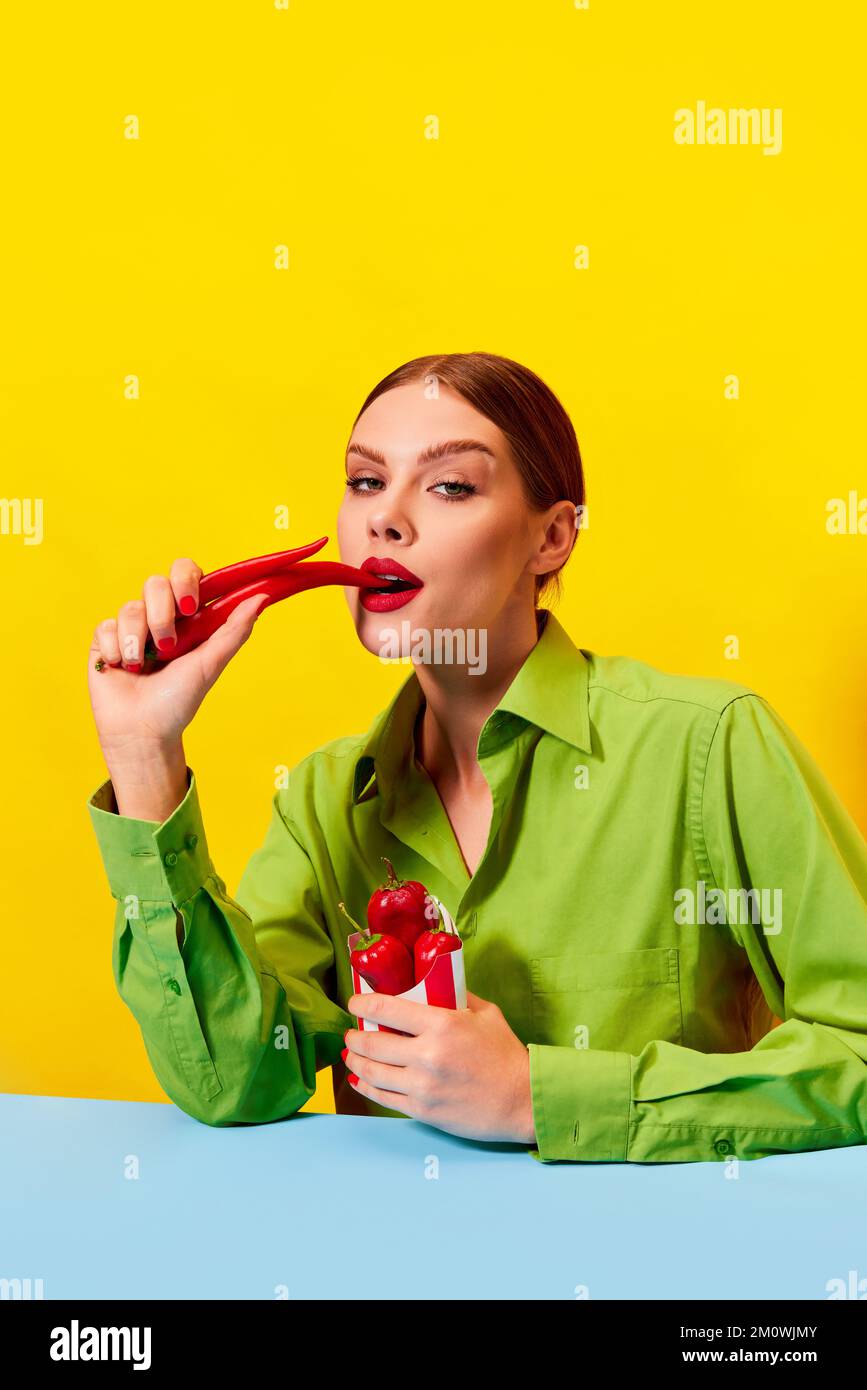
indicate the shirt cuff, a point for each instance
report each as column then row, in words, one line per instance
column 155, row 862
column 581, row 1102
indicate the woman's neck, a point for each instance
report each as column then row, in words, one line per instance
column 457, row 704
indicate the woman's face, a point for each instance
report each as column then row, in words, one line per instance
column 454, row 517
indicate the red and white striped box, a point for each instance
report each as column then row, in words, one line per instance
column 443, row 985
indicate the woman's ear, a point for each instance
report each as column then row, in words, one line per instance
column 560, row 534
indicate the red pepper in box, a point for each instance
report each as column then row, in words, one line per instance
column 442, row 985
column 383, row 961
column 401, row 907
column 434, row 942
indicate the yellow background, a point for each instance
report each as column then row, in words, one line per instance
column 306, row 126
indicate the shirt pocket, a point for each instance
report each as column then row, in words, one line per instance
column 615, row 1001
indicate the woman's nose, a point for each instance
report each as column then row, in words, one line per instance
column 389, row 524
column 383, row 532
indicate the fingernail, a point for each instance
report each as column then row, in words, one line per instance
column 345, row 1053
column 187, row 603
column 134, row 666
column 165, row 644
column 353, row 1079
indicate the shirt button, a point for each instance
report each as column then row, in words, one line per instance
column 173, row 985
column 723, row 1146
column 171, row 859
column 191, row 841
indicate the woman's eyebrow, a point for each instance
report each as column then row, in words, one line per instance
column 428, row 455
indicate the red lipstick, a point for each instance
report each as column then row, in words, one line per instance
column 399, row 585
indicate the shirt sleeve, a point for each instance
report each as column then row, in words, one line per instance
column 238, row 1019
column 767, row 819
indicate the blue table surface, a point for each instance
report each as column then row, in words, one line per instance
column 113, row 1199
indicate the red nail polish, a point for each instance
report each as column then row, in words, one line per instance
column 134, row 666
column 353, row 1079
column 345, row 1053
column 187, row 603
column 166, row 643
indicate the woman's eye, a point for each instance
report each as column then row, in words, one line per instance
column 355, row 483
column 465, row 489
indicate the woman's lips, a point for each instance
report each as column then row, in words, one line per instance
column 386, row 603
column 389, row 599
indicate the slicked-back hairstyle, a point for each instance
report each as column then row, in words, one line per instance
column 539, row 432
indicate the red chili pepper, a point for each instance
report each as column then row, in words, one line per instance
column 383, row 961
column 230, row 577
column 198, row 626
column 401, row 908
column 437, row 941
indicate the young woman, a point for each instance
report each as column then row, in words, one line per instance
column 633, row 859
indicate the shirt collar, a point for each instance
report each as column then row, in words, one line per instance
column 550, row 690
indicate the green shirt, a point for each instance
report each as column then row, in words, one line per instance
column 656, row 841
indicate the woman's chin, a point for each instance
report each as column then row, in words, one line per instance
column 377, row 627
column 388, row 633
column 414, row 633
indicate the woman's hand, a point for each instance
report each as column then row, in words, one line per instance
column 137, row 702
column 462, row 1070
column 141, row 707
